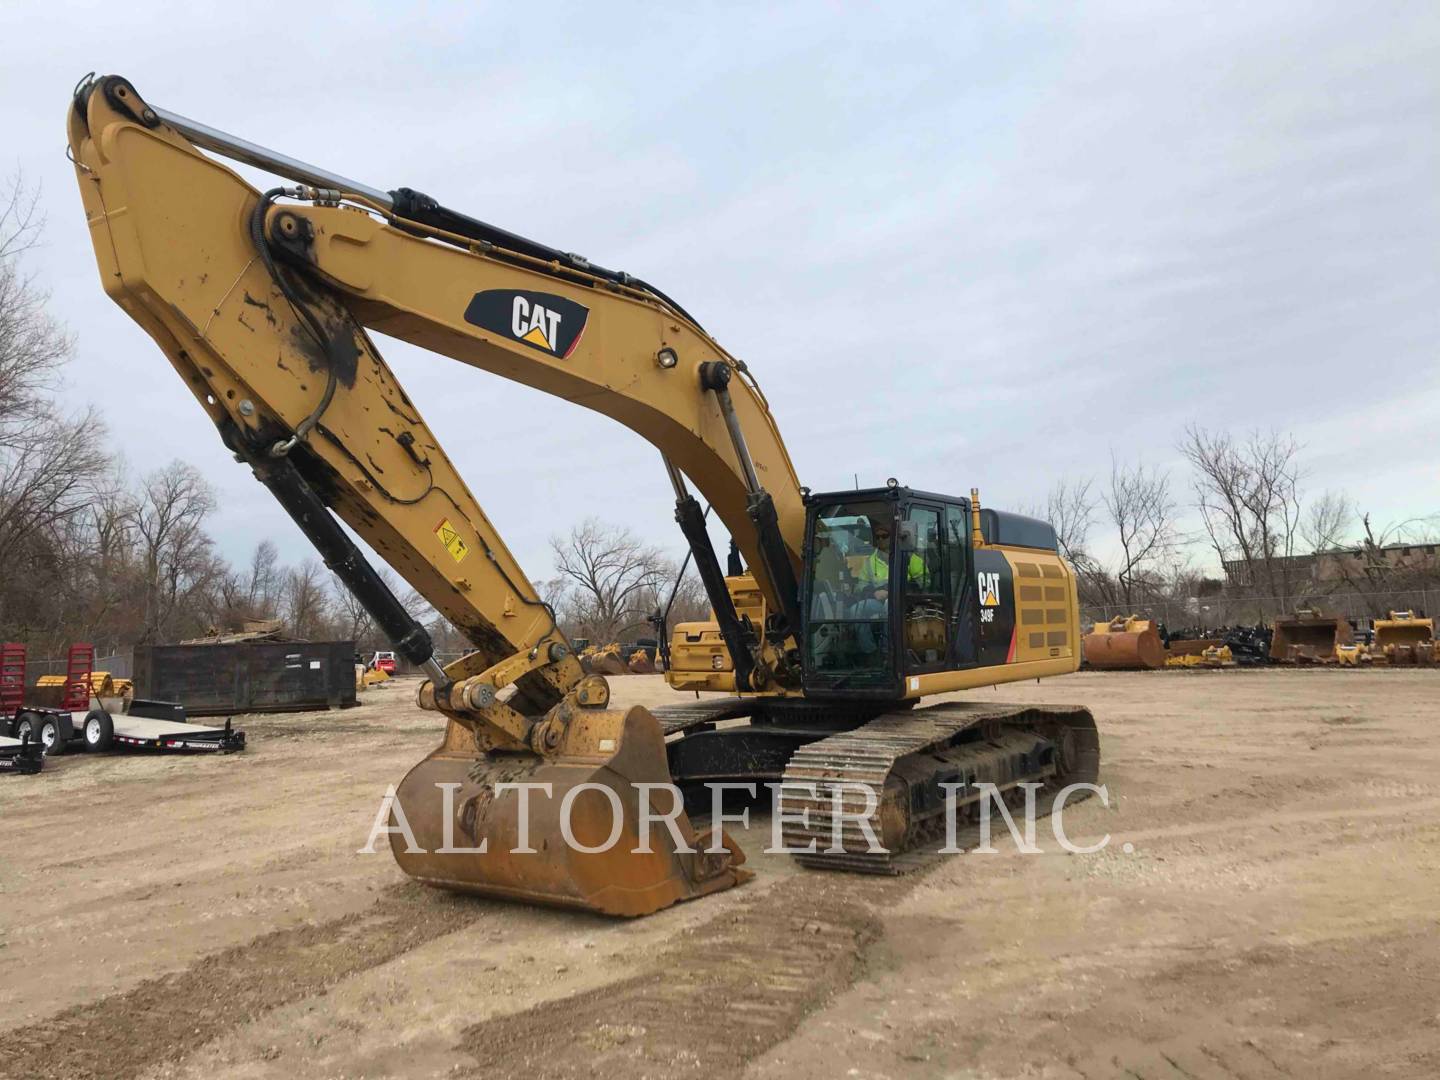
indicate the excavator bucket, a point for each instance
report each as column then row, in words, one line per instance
column 641, row 664
column 608, row 661
column 1123, row 644
column 589, row 832
column 1309, row 637
column 1405, row 638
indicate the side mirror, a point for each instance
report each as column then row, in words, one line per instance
column 909, row 536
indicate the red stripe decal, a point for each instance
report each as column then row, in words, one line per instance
column 1010, row 656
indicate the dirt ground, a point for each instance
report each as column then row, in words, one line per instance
column 1268, row 906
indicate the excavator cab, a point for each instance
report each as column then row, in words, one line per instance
column 888, row 592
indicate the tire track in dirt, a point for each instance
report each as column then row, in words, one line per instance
column 723, row 993
column 167, row 1018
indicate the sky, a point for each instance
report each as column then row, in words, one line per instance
column 958, row 244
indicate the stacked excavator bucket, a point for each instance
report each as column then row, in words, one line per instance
column 1309, row 637
column 1404, row 639
column 1125, row 644
column 606, row 661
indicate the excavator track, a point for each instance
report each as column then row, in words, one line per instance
column 904, row 757
column 691, row 714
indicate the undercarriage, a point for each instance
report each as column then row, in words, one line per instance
column 861, row 786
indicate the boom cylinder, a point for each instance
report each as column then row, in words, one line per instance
column 691, row 520
column 344, row 559
column 759, row 505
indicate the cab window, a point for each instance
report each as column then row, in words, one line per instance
column 961, row 581
column 926, row 622
column 849, row 593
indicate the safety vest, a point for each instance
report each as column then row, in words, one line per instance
column 876, row 569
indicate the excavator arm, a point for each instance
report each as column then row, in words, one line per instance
column 264, row 303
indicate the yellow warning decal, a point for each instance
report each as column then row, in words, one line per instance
column 451, row 539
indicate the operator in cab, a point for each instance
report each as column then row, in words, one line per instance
column 874, row 572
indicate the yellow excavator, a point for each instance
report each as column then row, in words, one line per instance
column 838, row 613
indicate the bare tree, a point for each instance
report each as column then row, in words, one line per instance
column 1070, row 508
column 49, row 462
column 177, row 557
column 48, row 473
column 263, row 579
column 1328, row 522
column 306, row 600
column 1248, row 496
column 99, row 550
column 610, row 574
column 33, row 346
column 1139, row 505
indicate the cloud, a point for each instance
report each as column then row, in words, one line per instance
column 957, row 246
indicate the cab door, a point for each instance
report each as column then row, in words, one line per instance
column 963, row 607
column 925, row 630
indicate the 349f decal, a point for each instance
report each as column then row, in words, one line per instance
column 996, row 588
column 544, row 321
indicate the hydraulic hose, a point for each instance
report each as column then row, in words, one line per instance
column 262, row 248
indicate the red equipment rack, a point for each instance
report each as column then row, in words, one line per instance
column 79, row 663
column 12, row 677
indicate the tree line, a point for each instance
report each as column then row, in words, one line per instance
column 1245, row 500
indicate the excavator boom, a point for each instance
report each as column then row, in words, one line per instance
column 263, row 303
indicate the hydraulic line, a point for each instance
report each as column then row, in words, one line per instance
column 692, row 524
column 760, row 505
column 262, row 247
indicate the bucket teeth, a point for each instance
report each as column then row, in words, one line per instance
column 584, row 828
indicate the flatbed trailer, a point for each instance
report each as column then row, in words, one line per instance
column 20, row 755
column 161, row 725
column 145, row 725
column 82, row 718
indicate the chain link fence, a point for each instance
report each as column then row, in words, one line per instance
column 120, row 665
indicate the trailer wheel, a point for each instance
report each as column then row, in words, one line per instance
column 99, row 730
column 52, row 736
column 25, row 726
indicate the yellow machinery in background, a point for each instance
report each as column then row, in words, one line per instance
column 1309, row 637
column 1212, row 656
column 1125, row 643
column 699, row 658
column 1404, row 638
